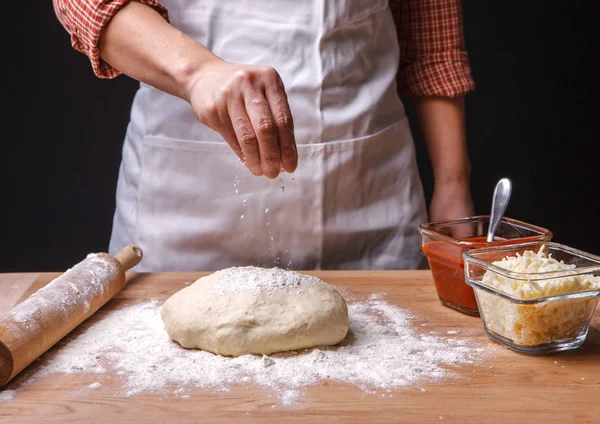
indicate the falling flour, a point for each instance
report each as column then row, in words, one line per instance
column 381, row 351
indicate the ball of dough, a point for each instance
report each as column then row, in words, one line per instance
column 242, row 310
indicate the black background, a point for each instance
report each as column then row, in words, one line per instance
column 533, row 118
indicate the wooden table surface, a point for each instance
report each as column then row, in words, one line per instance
column 508, row 387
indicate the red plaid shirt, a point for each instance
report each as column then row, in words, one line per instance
column 433, row 59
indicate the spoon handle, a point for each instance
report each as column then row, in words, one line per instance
column 499, row 203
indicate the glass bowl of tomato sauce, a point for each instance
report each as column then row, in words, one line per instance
column 443, row 243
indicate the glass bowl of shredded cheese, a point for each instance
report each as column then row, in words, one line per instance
column 536, row 297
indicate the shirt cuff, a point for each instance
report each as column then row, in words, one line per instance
column 445, row 74
column 85, row 22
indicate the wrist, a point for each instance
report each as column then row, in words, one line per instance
column 458, row 187
column 194, row 61
column 455, row 178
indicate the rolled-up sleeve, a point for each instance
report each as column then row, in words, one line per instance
column 433, row 56
column 84, row 20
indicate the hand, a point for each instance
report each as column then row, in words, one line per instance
column 248, row 106
column 450, row 201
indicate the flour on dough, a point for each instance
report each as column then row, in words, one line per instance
column 251, row 310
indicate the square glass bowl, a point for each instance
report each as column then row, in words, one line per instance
column 444, row 242
column 535, row 312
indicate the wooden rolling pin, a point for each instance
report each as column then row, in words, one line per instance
column 36, row 324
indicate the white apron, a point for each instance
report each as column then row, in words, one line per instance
column 355, row 200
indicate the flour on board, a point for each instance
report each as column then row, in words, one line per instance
column 381, row 352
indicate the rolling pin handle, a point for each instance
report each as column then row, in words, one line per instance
column 129, row 256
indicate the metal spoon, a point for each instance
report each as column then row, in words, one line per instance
column 499, row 204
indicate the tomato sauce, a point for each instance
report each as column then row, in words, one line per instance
column 447, row 268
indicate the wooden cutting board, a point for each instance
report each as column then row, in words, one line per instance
column 508, row 387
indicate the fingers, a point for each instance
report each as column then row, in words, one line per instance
column 251, row 112
column 245, row 135
column 229, row 135
column 277, row 99
column 216, row 116
column 266, row 133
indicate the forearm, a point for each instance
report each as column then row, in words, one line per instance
column 245, row 104
column 139, row 42
column 442, row 121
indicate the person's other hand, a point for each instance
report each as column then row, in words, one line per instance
column 248, row 106
column 450, row 201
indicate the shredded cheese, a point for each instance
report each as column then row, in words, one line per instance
column 540, row 323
